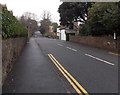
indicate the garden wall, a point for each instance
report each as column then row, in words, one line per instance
column 106, row 42
column 11, row 50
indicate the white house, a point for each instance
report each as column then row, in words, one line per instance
column 61, row 33
column 64, row 32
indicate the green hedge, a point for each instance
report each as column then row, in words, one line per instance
column 11, row 27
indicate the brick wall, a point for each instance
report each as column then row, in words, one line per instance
column 100, row 42
column 11, row 50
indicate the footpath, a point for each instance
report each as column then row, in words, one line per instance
column 33, row 73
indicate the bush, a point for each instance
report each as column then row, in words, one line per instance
column 85, row 31
column 104, row 18
column 11, row 27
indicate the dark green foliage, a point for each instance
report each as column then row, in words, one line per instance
column 98, row 18
column 11, row 27
column 104, row 19
column 73, row 11
column 85, row 31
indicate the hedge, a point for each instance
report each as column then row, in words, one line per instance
column 11, row 27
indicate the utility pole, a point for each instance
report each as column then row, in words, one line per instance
column 29, row 30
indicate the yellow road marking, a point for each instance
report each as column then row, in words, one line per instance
column 114, row 53
column 74, row 86
column 73, row 79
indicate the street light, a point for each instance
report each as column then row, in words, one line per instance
column 29, row 27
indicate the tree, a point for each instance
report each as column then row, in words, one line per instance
column 45, row 22
column 75, row 11
column 95, row 16
column 55, row 25
column 104, row 19
column 29, row 21
column 112, row 18
column 30, row 15
column 46, row 15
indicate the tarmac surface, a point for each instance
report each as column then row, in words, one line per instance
column 34, row 72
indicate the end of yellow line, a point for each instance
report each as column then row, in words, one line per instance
column 112, row 53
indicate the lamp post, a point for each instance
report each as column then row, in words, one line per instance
column 29, row 28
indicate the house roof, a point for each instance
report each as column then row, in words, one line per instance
column 61, row 27
column 3, row 5
column 70, row 31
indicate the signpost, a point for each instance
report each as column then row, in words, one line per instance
column 115, row 38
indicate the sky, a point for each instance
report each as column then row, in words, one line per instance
column 34, row 6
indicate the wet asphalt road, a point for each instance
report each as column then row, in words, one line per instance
column 94, row 69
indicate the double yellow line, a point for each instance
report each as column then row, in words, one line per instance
column 78, row 88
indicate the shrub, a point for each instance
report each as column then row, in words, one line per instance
column 11, row 27
column 85, row 31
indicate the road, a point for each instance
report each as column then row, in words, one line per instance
column 95, row 70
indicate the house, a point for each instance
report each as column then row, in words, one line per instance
column 69, row 32
column 61, row 33
column 50, row 28
column 50, row 32
column 3, row 5
column 11, row 12
column 64, row 32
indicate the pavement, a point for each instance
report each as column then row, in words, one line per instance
column 33, row 73
column 94, row 70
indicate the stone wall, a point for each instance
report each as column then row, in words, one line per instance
column 11, row 50
column 106, row 42
column 0, row 62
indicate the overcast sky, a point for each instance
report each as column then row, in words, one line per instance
column 33, row 6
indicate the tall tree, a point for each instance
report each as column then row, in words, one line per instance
column 73, row 11
column 29, row 21
column 104, row 18
column 45, row 22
